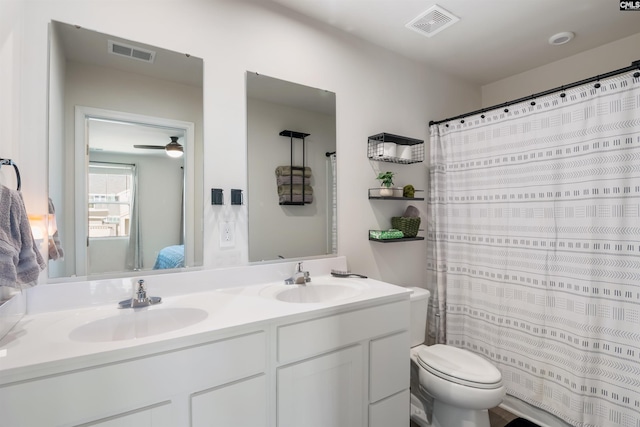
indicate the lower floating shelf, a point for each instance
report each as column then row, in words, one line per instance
column 402, row 239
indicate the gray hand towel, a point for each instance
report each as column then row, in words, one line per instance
column 20, row 259
column 296, row 171
column 294, row 189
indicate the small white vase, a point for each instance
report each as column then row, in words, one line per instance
column 386, row 191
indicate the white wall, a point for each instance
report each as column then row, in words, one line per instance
column 290, row 231
column 11, row 30
column 376, row 91
column 609, row 57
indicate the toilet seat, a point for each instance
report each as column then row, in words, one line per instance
column 459, row 366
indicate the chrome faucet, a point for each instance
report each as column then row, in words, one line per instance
column 139, row 298
column 300, row 277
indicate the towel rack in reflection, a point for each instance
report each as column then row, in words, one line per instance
column 9, row 162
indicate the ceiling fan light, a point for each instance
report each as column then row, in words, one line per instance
column 173, row 151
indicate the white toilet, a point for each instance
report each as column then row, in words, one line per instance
column 456, row 386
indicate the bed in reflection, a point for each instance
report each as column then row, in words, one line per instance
column 170, row 257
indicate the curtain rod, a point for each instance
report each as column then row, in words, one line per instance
column 634, row 65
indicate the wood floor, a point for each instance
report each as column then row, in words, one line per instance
column 498, row 417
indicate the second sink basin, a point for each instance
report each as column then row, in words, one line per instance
column 131, row 324
column 314, row 292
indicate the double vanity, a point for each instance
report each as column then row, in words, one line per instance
column 332, row 352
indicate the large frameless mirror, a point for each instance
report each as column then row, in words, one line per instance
column 291, row 214
column 125, row 155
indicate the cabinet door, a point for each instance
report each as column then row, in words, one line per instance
column 326, row 391
column 389, row 366
column 390, row 412
column 158, row 416
column 240, row 404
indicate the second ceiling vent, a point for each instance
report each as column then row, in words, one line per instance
column 432, row 21
column 133, row 52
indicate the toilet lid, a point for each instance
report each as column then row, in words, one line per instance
column 459, row 366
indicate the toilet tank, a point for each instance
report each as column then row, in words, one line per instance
column 419, row 305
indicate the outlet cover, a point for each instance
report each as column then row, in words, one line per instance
column 227, row 234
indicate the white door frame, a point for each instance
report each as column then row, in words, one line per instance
column 82, row 115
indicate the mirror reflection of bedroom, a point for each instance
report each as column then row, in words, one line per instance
column 124, row 204
column 131, row 177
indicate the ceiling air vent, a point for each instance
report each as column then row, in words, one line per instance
column 432, row 21
column 133, row 52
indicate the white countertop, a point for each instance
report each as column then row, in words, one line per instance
column 43, row 344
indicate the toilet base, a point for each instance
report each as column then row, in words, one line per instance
column 419, row 411
column 445, row 415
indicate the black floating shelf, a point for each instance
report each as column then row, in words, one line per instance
column 374, row 197
column 395, row 198
column 294, row 134
column 403, row 239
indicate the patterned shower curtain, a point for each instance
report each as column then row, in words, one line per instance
column 333, row 176
column 534, row 248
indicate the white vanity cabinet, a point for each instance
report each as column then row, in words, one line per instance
column 345, row 370
column 254, row 362
column 164, row 389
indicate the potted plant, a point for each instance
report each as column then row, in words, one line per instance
column 386, row 183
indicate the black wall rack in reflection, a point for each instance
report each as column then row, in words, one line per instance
column 296, row 135
column 9, row 162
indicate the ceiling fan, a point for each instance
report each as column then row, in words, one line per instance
column 173, row 149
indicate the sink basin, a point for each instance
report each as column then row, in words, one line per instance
column 321, row 293
column 131, row 324
column 313, row 292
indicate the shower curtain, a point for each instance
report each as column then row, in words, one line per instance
column 534, row 248
column 333, row 204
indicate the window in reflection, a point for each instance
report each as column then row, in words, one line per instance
column 110, row 197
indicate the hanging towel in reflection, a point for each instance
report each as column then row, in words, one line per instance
column 295, row 171
column 294, row 189
column 296, row 179
column 20, row 259
column 55, row 248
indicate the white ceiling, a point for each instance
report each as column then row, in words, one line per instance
column 90, row 47
column 120, row 137
column 494, row 39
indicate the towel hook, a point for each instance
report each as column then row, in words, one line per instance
column 9, row 162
